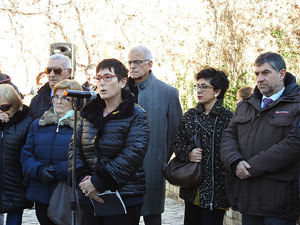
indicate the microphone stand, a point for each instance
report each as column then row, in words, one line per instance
column 77, row 102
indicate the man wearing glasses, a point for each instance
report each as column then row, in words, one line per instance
column 161, row 102
column 58, row 69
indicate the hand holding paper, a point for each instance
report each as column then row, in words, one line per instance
column 113, row 204
column 89, row 190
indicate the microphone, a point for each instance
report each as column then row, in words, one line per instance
column 81, row 94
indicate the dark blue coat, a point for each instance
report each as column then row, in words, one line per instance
column 47, row 144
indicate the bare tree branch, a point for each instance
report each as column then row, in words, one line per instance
column 83, row 37
column 21, row 45
column 13, row 11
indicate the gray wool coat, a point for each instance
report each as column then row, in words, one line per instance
column 161, row 102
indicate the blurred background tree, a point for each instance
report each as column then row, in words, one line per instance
column 184, row 35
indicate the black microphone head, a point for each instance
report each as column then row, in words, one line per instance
column 79, row 94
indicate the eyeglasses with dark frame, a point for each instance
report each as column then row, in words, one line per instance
column 64, row 99
column 202, row 87
column 137, row 62
column 105, row 77
column 56, row 70
column 5, row 107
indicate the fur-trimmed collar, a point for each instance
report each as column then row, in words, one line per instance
column 50, row 118
column 18, row 116
column 93, row 111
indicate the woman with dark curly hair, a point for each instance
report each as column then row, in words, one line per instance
column 205, row 203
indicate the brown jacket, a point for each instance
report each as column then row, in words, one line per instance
column 269, row 140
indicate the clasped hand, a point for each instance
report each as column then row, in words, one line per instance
column 195, row 155
column 87, row 188
column 241, row 170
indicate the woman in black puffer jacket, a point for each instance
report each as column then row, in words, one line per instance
column 14, row 125
column 112, row 140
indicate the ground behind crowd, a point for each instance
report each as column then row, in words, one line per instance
column 173, row 214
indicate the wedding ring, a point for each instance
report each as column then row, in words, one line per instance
column 84, row 191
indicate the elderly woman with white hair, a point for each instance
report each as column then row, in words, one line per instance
column 45, row 154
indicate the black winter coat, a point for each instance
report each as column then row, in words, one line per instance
column 41, row 102
column 211, row 126
column 12, row 185
column 112, row 149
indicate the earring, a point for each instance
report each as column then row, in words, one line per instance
column 216, row 95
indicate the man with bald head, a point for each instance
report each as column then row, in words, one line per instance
column 161, row 102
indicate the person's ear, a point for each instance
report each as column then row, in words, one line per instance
column 217, row 92
column 70, row 72
column 150, row 64
column 282, row 74
column 124, row 81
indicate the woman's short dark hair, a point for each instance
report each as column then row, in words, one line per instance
column 119, row 68
column 217, row 78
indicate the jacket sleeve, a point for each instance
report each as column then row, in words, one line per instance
column 30, row 165
column 174, row 116
column 81, row 169
column 61, row 170
column 278, row 156
column 182, row 144
column 126, row 164
column 229, row 151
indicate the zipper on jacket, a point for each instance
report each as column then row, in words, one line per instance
column 211, row 204
column 52, row 148
column 2, row 134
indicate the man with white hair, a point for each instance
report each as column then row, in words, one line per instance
column 161, row 102
column 58, row 69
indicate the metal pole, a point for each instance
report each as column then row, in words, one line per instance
column 74, row 200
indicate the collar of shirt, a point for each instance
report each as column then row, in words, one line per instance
column 273, row 97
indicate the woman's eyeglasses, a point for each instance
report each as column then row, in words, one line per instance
column 105, row 77
column 64, row 99
column 5, row 107
column 56, row 70
column 202, row 87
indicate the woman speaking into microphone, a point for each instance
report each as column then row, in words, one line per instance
column 112, row 140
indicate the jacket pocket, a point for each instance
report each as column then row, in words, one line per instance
column 280, row 120
column 241, row 119
column 276, row 196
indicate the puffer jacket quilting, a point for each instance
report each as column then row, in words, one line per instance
column 112, row 149
column 12, row 183
column 47, row 144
